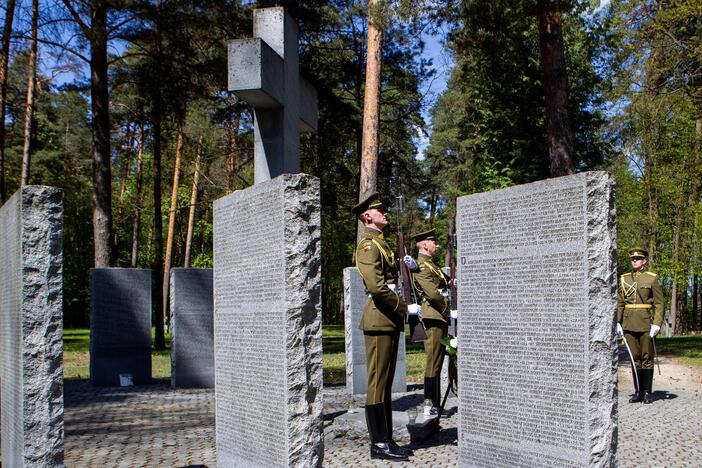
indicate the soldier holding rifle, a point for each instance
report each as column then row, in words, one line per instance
column 433, row 287
column 383, row 320
column 639, row 319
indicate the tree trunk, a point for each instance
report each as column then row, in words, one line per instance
column 232, row 144
column 171, row 222
column 371, row 109
column 29, row 104
column 160, row 339
column 4, row 60
column 102, row 171
column 137, row 195
column 193, row 202
column 695, row 299
column 125, row 172
column 560, row 134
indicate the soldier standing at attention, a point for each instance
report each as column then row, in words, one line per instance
column 639, row 319
column 431, row 283
column 383, row 320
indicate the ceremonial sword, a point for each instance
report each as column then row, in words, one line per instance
column 633, row 364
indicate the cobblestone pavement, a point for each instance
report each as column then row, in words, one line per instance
column 154, row 426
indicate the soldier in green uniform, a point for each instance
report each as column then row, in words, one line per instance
column 639, row 318
column 383, row 320
column 433, row 288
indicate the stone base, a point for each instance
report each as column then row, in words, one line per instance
column 353, row 425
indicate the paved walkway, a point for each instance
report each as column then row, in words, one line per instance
column 153, row 426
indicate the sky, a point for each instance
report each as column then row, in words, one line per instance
column 442, row 63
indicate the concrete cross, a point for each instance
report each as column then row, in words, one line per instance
column 264, row 71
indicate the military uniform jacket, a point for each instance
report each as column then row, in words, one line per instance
column 640, row 301
column 385, row 310
column 430, row 281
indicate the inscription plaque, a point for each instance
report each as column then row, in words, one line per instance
column 120, row 325
column 267, row 324
column 537, row 380
column 31, row 328
column 192, row 343
column 354, row 301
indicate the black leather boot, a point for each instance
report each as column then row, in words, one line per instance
column 430, row 389
column 648, row 379
column 637, row 394
column 388, row 424
column 381, row 447
column 436, row 402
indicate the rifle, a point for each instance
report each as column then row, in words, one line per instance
column 417, row 330
column 452, row 266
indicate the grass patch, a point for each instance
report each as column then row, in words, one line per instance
column 335, row 358
column 686, row 347
column 76, row 356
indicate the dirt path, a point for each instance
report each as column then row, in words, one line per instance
column 673, row 373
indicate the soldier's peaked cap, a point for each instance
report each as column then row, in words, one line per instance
column 371, row 201
column 638, row 252
column 420, row 236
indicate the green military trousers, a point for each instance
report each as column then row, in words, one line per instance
column 434, row 350
column 641, row 346
column 381, row 358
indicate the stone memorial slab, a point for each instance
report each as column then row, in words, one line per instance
column 31, row 327
column 264, row 71
column 268, row 325
column 354, row 301
column 537, row 276
column 120, row 325
column 192, row 315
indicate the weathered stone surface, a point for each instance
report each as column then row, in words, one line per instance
column 537, row 295
column 192, row 329
column 264, row 71
column 268, row 325
column 31, row 307
column 120, row 325
column 354, row 301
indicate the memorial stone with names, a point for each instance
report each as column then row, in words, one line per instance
column 120, row 325
column 355, row 299
column 267, row 324
column 31, row 317
column 192, row 343
column 264, row 72
column 537, row 295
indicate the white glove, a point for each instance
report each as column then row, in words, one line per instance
column 415, row 309
column 409, row 261
column 455, row 282
column 454, row 314
column 654, row 330
column 620, row 330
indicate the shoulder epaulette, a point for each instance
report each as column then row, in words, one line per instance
column 650, row 273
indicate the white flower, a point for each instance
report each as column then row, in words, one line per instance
column 454, row 343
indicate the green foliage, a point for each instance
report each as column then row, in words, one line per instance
column 335, row 56
column 656, row 132
column 489, row 126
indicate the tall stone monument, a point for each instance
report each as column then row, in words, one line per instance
column 120, row 326
column 264, row 72
column 537, row 365
column 268, row 328
column 267, row 290
column 31, row 317
column 192, row 342
column 354, row 301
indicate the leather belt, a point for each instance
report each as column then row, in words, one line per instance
column 638, row 306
